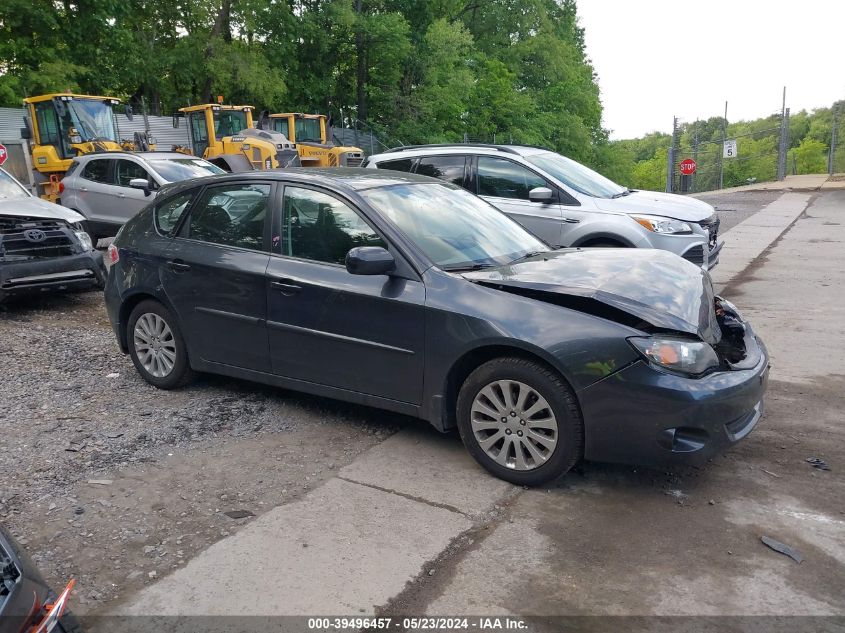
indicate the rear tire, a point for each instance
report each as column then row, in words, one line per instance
column 520, row 421
column 157, row 347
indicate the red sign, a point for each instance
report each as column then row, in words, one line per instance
column 688, row 167
column 3, row 154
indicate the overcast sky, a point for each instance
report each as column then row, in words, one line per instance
column 659, row 58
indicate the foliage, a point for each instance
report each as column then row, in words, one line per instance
column 439, row 70
column 642, row 163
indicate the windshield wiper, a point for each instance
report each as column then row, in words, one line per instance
column 527, row 255
column 621, row 194
column 466, row 267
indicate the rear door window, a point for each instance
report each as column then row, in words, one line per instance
column 96, row 171
column 448, row 168
column 231, row 215
column 503, row 178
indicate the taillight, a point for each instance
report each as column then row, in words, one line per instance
column 114, row 254
column 61, row 187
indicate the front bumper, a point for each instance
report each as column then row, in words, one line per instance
column 641, row 415
column 71, row 272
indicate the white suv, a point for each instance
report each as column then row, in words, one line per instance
column 565, row 203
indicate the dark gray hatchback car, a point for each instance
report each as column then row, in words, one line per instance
column 410, row 294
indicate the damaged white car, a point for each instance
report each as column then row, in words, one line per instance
column 43, row 246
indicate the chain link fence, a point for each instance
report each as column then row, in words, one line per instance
column 713, row 154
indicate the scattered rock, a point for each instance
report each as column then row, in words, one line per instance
column 239, row 514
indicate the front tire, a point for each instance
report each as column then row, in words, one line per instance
column 520, row 421
column 157, row 347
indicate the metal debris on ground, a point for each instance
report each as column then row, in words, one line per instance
column 783, row 549
column 239, row 514
column 818, row 463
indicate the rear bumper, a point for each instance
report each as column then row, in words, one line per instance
column 80, row 271
column 641, row 415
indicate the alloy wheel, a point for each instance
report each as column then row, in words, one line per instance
column 514, row 425
column 154, row 344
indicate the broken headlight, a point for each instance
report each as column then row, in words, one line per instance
column 691, row 358
column 666, row 226
column 82, row 236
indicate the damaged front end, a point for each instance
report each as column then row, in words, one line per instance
column 42, row 254
column 27, row 603
column 738, row 347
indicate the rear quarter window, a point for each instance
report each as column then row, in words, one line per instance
column 402, row 164
column 168, row 212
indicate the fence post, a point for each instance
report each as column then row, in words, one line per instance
column 783, row 146
column 831, row 159
column 722, row 149
column 670, row 163
column 694, row 155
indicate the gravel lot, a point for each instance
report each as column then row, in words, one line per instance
column 114, row 483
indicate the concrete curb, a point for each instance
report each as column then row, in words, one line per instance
column 749, row 239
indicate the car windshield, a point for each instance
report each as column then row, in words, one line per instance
column 10, row 189
column 575, row 175
column 455, row 229
column 92, row 119
column 176, row 169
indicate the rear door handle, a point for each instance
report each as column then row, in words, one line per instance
column 571, row 220
column 83, row 188
column 177, row 265
column 286, row 286
column 121, row 195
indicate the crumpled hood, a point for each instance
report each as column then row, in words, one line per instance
column 669, row 205
column 32, row 207
column 653, row 285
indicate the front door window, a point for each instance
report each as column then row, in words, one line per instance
column 320, row 227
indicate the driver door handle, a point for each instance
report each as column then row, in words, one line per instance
column 286, row 286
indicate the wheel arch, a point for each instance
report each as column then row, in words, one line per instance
column 127, row 305
column 474, row 358
column 587, row 240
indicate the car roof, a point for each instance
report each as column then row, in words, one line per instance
column 457, row 148
column 144, row 155
column 344, row 178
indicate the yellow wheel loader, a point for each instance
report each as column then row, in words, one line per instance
column 224, row 135
column 308, row 132
column 64, row 125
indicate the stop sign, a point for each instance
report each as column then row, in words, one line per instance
column 3, row 154
column 687, row 166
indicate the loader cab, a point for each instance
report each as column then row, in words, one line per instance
column 210, row 124
column 65, row 125
column 301, row 128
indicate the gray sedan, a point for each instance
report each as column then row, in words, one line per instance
column 410, row 294
column 109, row 188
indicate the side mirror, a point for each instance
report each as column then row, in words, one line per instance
column 140, row 183
column 541, row 194
column 176, row 121
column 25, row 133
column 128, row 111
column 369, row 260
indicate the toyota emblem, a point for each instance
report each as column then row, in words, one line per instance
column 35, row 235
